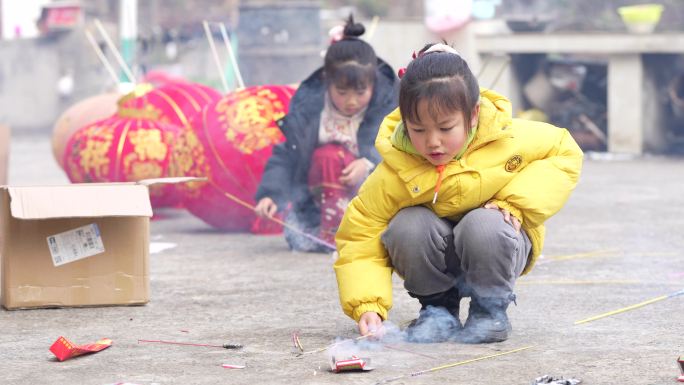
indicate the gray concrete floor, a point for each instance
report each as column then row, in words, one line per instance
column 216, row 288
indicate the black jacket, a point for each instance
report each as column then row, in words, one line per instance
column 285, row 177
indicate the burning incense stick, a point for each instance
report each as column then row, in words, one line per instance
column 319, row 350
column 632, row 307
column 276, row 220
column 224, row 346
column 418, row 373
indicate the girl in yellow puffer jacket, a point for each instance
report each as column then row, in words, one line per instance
column 457, row 206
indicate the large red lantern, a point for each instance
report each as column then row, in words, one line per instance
column 230, row 144
column 84, row 112
column 129, row 146
column 174, row 102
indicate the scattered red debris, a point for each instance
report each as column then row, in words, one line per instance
column 63, row 349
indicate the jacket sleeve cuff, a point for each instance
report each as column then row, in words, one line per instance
column 366, row 307
column 510, row 208
column 369, row 165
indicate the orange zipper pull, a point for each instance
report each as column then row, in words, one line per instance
column 440, row 170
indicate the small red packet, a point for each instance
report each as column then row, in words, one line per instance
column 63, row 349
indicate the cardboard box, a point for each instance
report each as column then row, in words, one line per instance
column 4, row 153
column 47, row 236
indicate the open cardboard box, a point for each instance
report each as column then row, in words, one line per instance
column 75, row 245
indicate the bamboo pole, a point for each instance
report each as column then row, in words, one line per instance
column 372, row 28
column 231, row 55
column 115, row 51
column 217, row 61
column 102, row 57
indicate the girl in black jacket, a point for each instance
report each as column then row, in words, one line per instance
column 330, row 133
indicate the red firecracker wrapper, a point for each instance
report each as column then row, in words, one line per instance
column 63, row 349
column 351, row 364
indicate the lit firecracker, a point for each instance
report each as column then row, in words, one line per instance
column 63, row 349
column 352, row 364
column 229, row 346
column 320, row 350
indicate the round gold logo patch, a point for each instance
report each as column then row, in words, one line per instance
column 513, row 163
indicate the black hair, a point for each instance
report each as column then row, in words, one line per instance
column 442, row 79
column 350, row 62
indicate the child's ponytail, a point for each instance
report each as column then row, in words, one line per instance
column 353, row 30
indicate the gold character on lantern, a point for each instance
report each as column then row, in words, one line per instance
column 148, row 144
column 93, row 158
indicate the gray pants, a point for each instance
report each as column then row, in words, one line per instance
column 481, row 255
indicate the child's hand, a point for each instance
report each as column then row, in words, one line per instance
column 508, row 218
column 370, row 323
column 266, row 207
column 355, row 172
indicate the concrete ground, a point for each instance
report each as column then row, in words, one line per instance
column 618, row 242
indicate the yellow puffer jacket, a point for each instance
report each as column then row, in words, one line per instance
column 528, row 168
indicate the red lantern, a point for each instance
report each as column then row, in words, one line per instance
column 175, row 102
column 230, row 144
column 84, row 112
column 129, row 146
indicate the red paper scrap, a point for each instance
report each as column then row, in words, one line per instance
column 63, row 349
column 231, row 366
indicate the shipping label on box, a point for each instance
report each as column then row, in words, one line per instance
column 75, row 244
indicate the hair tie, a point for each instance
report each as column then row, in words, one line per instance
column 401, row 72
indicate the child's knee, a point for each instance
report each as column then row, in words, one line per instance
column 410, row 226
column 485, row 226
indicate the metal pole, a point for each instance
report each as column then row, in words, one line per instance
column 128, row 31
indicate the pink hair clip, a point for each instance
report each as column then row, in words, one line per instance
column 336, row 33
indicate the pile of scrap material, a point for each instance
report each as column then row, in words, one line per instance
column 551, row 380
